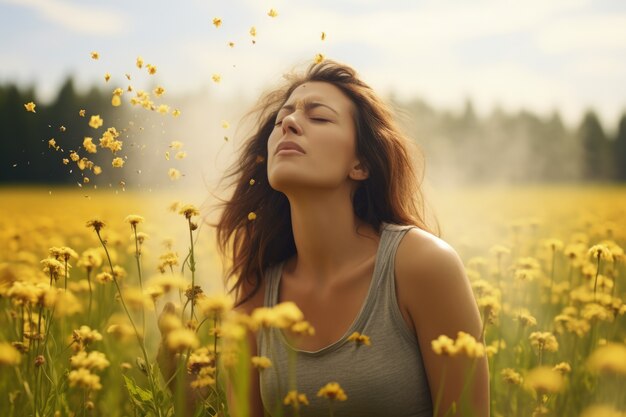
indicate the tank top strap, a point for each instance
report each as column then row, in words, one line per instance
column 389, row 246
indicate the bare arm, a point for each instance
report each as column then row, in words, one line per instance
column 439, row 299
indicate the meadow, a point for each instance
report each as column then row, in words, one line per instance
column 85, row 275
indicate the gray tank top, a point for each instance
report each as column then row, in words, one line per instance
column 384, row 379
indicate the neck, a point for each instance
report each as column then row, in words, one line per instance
column 325, row 233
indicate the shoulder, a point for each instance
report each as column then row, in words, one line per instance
column 433, row 286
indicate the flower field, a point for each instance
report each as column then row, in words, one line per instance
column 111, row 303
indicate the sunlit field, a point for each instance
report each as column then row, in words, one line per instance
column 85, row 275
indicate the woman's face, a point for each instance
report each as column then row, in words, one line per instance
column 318, row 117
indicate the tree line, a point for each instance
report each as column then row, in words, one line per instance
column 458, row 148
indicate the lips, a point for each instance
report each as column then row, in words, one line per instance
column 289, row 145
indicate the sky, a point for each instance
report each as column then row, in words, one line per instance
column 566, row 55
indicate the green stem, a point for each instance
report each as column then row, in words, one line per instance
column 192, row 268
column 132, row 322
column 595, row 284
column 138, row 260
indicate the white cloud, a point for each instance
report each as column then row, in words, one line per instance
column 80, row 18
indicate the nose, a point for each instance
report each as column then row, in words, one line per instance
column 290, row 124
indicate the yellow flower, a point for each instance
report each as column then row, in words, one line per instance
column 252, row 216
column 544, row 379
column 97, row 170
column 92, row 360
column 217, row 22
column 189, row 210
column 180, row 155
column 9, row 355
column 610, row 358
column 53, row 144
column 81, row 112
column 95, row 121
column 134, row 219
column 217, row 304
column 253, row 31
column 319, row 58
column 272, row 13
column 509, row 375
column 83, row 378
column 216, row 78
column 107, row 77
column 287, row 313
column 323, row 36
column 443, row 345
column 467, row 344
column 294, row 399
column 563, row 368
column 176, row 145
column 231, row 44
column 152, row 69
column 175, row 112
column 601, row 410
column 303, row 328
column 89, row 146
column 139, row 62
column 163, row 108
column 159, row 91
column 173, row 173
column 30, row 106
column 182, row 339
column 544, row 341
column 251, row 182
column 600, row 252
column 225, row 124
column 85, row 335
column 95, row 55
column 360, row 339
column 261, row 362
column 117, row 162
column 96, row 224
column 332, row 391
column 116, row 101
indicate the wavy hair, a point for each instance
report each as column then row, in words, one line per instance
column 391, row 193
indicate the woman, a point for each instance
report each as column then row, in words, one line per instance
column 325, row 213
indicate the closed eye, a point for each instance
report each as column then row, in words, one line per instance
column 318, row 119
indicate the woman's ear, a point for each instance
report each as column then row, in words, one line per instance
column 359, row 172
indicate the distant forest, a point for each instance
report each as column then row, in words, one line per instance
column 458, row 148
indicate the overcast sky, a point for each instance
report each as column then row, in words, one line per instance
column 532, row 54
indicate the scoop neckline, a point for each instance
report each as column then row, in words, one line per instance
column 360, row 315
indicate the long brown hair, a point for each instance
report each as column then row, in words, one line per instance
column 390, row 194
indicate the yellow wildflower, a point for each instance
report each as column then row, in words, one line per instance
column 95, row 55
column 544, row 379
column 600, row 252
column 174, row 174
column 217, row 304
column 83, row 378
column 563, row 368
column 97, row 170
column 467, row 344
column 272, row 13
column 443, row 345
column 30, row 107
column 159, row 91
column 89, row 146
column 152, row 69
column 180, row 155
column 252, row 216
column 253, row 31
column 231, row 44
column 163, row 109
column 287, row 313
column 319, row 58
column 182, row 339
column 95, row 121
column 107, row 77
column 304, row 328
column 544, row 341
column 175, row 112
column 176, row 145
column 294, row 398
column 116, row 101
column 610, row 358
column 9, row 355
column 117, row 162
column 139, row 62
column 601, row 410
column 217, row 22
column 81, row 112
column 92, row 360
column 85, row 335
column 189, row 210
column 225, row 124
column 216, row 78
column 509, row 375
column 261, row 362
column 134, row 219
column 251, row 182
column 360, row 339
column 332, row 391
column 323, row 36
